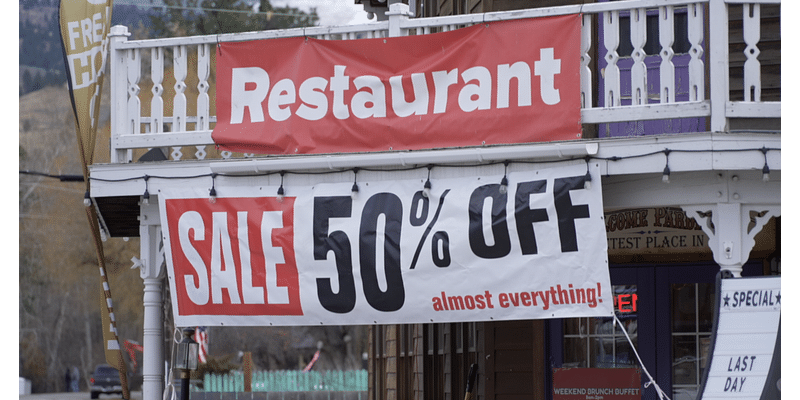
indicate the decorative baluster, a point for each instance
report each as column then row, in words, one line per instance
column 666, row 34
column 697, row 87
column 134, row 104
column 201, row 153
column 157, row 103
column 752, row 67
column 586, row 72
column 611, row 42
column 119, row 85
column 203, row 69
column 179, row 64
column 638, row 70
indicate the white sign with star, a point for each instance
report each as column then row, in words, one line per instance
column 745, row 338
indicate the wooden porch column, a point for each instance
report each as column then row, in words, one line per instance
column 152, row 272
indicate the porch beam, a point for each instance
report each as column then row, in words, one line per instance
column 731, row 229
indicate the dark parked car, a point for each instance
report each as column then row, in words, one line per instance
column 105, row 380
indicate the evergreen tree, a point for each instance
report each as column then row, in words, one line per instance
column 210, row 17
column 27, row 82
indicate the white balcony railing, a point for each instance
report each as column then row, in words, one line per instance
column 622, row 87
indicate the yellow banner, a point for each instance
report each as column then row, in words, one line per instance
column 84, row 26
column 84, row 33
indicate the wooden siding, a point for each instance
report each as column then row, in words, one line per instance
column 515, row 367
column 424, row 361
column 769, row 47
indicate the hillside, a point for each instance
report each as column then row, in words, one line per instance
column 59, row 282
column 41, row 60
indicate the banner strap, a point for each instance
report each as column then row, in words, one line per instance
column 661, row 394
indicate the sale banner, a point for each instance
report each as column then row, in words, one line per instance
column 473, row 249
column 492, row 83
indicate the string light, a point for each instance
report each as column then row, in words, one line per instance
column 504, row 182
column 87, row 199
column 426, row 188
column 281, row 192
column 354, row 190
column 587, row 179
column 212, row 193
column 146, row 195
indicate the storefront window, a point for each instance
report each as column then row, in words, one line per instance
column 599, row 342
column 692, row 322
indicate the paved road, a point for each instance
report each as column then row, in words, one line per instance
column 75, row 396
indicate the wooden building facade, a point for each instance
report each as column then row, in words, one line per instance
column 681, row 118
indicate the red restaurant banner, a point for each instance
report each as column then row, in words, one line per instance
column 493, row 83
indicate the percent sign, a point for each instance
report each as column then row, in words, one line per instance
column 440, row 260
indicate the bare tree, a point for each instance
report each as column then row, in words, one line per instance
column 59, row 281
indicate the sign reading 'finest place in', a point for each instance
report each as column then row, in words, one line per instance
column 653, row 230
column 494, row 83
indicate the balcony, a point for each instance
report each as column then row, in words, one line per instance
column 648, row 67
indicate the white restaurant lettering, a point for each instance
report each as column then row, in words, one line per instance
column 251, row 86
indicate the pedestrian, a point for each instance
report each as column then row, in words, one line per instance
column 75, row 379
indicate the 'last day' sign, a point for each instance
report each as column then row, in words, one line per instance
column 745, row 339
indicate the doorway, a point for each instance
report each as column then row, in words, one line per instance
column 667, row 312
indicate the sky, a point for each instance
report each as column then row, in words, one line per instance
column 331, row 12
